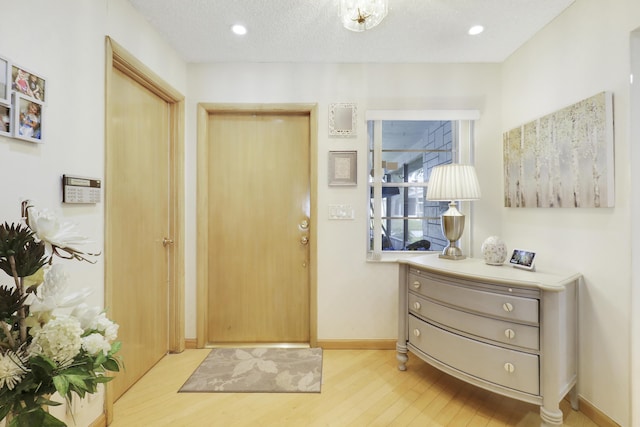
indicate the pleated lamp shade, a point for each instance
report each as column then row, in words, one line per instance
column 453, row 182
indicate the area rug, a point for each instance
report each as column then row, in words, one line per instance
column 258, row 370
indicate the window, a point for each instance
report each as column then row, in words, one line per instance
column 402, row 150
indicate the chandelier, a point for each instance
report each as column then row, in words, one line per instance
column 360, row 15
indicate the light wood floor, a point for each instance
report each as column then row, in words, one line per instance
column 359, row 388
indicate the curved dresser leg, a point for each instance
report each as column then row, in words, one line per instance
column 573, row 398
column 550, row 416
column 402, row 357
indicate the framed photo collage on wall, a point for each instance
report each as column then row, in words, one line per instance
column 22, row 101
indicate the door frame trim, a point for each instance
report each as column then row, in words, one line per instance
column 202, row 207
column 117, row 57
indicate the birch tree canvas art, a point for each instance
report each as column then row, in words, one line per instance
column 562, row 160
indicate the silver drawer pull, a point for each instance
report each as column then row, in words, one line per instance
column 509, row 367
column 510, row 333
column 416, row 332
column 416, row 285
column 508, row 307
column 416, row 306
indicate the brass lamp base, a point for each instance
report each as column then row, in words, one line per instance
column 452, row 227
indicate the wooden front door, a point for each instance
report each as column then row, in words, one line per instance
column 259, row 222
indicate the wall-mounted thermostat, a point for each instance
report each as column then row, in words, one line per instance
column 76, row 189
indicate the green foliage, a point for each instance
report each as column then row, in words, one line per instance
column 27, row 400
column 18, row 243
column 35, row 416
column 33, row 373
column 30, row 412
column 10, row 301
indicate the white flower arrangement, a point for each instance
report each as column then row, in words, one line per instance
column 50, row 341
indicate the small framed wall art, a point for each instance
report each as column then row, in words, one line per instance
column 5, row 85
column 27, row 119
column 27, row 83
column 343, row 168
column 5, row 120
column 342, row 120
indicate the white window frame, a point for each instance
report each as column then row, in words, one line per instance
column 464, row 154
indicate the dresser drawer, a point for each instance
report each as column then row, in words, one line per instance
column 505, row 306
column 484, row 327
column 508, row 368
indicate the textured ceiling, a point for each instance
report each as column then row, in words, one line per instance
column 427, row 31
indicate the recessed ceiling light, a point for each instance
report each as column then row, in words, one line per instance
column 239, row 29
column 475, row 30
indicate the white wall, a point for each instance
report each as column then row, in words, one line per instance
column 356, row 299
column 581, row 53
column 64, row 41
column 635, row 227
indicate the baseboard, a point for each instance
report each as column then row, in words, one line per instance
column 191, row 343
column 101, row 421
column 357, row 344
column 595, row 414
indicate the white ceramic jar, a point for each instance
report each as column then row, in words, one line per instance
column 494, row 250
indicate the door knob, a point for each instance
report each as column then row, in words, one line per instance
column 166, row 242
column 304, row 240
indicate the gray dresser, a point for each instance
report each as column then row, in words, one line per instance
column 510, row 331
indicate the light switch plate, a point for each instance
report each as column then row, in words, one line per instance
column 341, row 212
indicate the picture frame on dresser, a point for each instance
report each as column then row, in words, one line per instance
column 523, row 259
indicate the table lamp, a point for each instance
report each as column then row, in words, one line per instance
column 453, row 183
